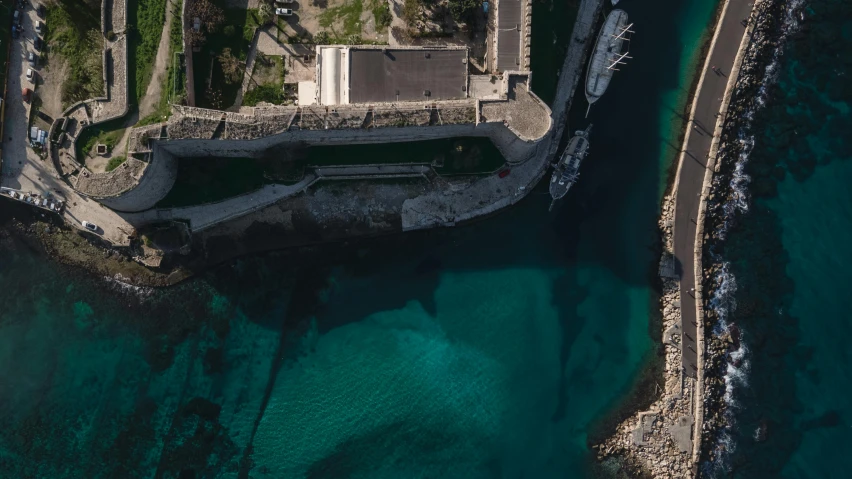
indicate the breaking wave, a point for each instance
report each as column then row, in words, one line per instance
column 723, row 301
column 121, row 284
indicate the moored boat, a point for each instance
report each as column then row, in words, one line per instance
column 567, row 169
column 607, row 54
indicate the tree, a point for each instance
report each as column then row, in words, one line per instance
column 322, row 38
column 210, row 15
column 231, row 66
column 461, row 9
column 264, row 13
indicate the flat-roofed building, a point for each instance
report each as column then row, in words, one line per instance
column 347, row 75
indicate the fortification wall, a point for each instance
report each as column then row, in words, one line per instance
column 259, row 146
column 153, row 185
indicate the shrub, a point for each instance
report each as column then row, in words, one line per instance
column 411, row 11
column 115, row 162
column 383, row 16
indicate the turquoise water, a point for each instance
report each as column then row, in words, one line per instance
column 490, row 350
column 790, row 257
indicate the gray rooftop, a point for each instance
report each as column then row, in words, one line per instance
column 509, row 35
column 404, row 75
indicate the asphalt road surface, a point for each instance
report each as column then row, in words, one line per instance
column 696, row 150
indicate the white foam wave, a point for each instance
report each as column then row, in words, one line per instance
column 723, row 301
column 121, row 284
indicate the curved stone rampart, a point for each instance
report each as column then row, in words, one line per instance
column 154, row 183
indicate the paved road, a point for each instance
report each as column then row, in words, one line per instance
column 694, row 162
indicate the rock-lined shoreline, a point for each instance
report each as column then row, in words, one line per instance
column 655, row 442
column 771, row 26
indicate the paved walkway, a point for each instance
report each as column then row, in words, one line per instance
column 693, row 163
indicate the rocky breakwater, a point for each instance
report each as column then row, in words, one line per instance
column 658, row 442
column 771, row 22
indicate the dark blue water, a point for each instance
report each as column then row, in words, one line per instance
column 490, row 350
column 789, row 259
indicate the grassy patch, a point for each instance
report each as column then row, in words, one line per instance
column 271, row 92
column 381, row 14
column 252, row 23
column 175, row 88
column 73, row 31
column 115, row 162
column 108, row 133
column 349, row 13
column 268, row 82
column 144, row 39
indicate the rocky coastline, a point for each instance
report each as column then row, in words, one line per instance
column 647, row 444
column 655, row 442
column 772, row 24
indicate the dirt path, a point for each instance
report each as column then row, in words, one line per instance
column 149, row 102
column 50, row 86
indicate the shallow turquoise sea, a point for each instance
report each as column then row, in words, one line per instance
column 490, row 350
column 791, row 259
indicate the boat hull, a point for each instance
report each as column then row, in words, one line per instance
column 607, row 48
column 566, row 171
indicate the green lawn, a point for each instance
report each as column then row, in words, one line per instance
column 107, row 133
column 147, row 18
column 115, row 162
column 174, row 89
column 349, row 13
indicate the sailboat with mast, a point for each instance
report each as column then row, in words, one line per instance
column 607, row 55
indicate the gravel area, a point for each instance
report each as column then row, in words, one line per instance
column 101, row 185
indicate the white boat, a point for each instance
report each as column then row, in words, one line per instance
column 607, row 55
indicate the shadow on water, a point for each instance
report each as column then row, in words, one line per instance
column 606, row 224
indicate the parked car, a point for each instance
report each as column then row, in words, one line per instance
column 39, row 26
column 16, row 32
column 284, row 12
column 27, row 94
column 30, row 75
column 90, row 226
column 283, row 2
column 16, row 17
column 31, row 57
column 40, row 10
column 37, row 43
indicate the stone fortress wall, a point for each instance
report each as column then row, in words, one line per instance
column 516, row 117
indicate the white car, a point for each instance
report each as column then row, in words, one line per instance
column 283, row 2
column 39, row 25
column 284, row 12
column 30, row 74
column 90, row 226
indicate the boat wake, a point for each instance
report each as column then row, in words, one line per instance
column 723, row 301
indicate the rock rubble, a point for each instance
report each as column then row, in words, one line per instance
column 652, row 442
